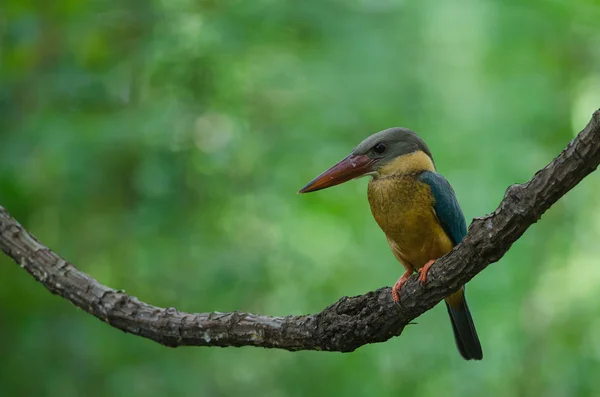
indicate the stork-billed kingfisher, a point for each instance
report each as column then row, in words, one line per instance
column 417, row 210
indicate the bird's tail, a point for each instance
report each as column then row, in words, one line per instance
column 463, row 327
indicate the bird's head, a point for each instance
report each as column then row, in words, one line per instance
column 391, row 151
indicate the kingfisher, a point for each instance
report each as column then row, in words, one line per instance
column 417, row 210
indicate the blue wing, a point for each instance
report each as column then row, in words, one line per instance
column 446, row 206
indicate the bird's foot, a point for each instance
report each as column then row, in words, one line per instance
column 423, row 272
column 398, row 285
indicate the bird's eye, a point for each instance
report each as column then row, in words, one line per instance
column 379, row 148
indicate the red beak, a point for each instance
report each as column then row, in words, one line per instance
column 350, row 167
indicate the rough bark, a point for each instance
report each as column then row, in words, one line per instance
column 345, row 325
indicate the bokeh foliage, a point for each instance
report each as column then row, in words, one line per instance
column 159, row 144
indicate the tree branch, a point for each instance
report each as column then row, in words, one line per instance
column 345, row 325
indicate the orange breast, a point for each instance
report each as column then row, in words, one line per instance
column 403, row 208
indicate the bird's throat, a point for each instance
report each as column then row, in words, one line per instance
column 408, row 164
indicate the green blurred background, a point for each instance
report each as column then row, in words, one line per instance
column 159, row 145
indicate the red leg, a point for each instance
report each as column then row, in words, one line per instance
column 399, row 284
column 423, row 272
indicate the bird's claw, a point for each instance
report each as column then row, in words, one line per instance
column 423, row 272
column 398, row 285
column 395, row 293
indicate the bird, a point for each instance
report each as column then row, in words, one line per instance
column 417, row 210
